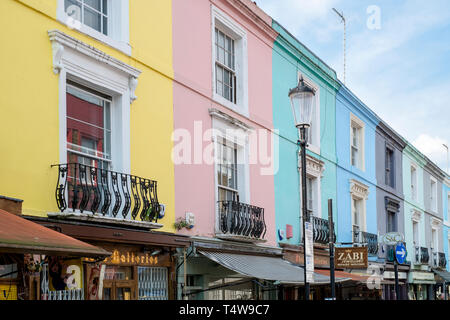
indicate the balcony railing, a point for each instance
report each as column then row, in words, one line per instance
column 321, row 230
column 82, row 188
column 366, row 238
column 240, row 219
column 442, row 261
column 422, row 255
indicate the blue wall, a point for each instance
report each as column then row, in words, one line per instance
column 347, row 103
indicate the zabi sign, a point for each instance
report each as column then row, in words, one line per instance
column 351, row 258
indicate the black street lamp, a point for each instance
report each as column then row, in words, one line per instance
column 303, row 102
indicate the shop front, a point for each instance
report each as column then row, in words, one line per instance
column 421, row 285
column 35, row 260
column 141, row 265
column 215, row 269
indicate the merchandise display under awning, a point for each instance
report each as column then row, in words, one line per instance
column 18, row 235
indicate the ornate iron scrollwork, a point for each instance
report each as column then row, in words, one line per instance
column 87, row 189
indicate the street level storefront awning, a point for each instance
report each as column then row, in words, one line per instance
column 343, row 275
column 18, row 235
column 263, row 267
column 444, row 275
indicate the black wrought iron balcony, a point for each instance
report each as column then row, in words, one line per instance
column 371, row 240
column 422, row 255
column 240, row 219
column 367, row 239
column 86, row 189
column 321, row 230
column 442, row 263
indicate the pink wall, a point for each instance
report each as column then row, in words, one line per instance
column 192, row 49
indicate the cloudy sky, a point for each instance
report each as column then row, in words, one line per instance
column 399, row 64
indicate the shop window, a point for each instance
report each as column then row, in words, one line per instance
column 153, row 283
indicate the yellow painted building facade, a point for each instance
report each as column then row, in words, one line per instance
column 31, row 138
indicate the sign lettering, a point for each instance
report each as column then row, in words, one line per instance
column 353, row 258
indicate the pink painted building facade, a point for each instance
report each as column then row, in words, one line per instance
column 222, row 58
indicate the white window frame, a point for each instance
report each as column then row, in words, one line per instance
column 227, row 25
column 314, row 171
column 314, row 134
column 433, row 194
column 357, row 123
column 414, row 182
column 118, row 25
column 77, row 61
column 416, row 217
column 359, row 191
column 231, row 130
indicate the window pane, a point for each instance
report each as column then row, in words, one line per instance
column 73, row 9
column 96, row 4
column 105, row 26
column 92, row 19
column 105, row 7
column 88, row 124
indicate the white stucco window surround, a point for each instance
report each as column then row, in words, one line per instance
column 225, row 24
column 229, row 130
column 357, row 144
column 314, row 171
column 78, row 62
column 314, row 130
column 359, row 192
column 115, row 22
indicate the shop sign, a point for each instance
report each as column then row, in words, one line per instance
column 65, row 274
column 119, row 257
column 351, row 258
column 392, row 238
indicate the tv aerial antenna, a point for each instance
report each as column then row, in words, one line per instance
column 341, row 15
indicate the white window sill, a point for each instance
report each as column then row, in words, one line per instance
column 230, row 105
column 113, row 43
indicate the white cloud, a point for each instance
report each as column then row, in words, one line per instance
column 433, row 148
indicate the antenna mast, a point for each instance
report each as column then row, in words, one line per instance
column 341, row 15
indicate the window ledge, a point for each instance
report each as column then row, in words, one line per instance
column 239, row 238
column 89, row 217
column 113, row 43
column 238, row 108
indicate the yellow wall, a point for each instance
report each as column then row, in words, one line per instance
column 29, row 121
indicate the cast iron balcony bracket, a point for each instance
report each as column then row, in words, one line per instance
column 240, row 219
column 95, row 190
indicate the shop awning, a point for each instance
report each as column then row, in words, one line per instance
column 263, row 267
column 18, row 235
column 445, row 275
column 343, row 275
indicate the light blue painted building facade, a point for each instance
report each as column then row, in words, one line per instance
column 290, row 60
column 356, row 177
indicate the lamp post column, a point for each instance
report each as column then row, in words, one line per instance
column 305, row 217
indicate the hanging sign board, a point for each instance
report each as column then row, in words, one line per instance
column 309, row 243
column 351, row 258
column 392, row 238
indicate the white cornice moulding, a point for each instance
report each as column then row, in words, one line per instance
column 60, row 40
column 359, row 189
column 416, row 215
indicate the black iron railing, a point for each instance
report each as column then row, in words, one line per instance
column 367, row 239
column 321, row 230
column 90, row 189
column 241, row 219
column 372, row 242
column 442, row 263
column 424, row 256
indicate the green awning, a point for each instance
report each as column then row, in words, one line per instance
column 445, row 275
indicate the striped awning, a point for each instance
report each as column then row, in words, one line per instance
column 264, row 267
